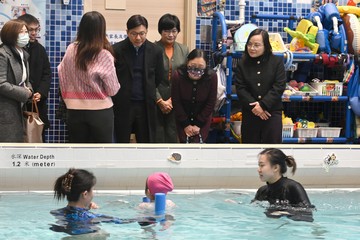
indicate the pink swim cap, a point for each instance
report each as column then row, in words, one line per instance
column 160, row 182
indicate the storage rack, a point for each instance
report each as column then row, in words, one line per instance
column 218, row 18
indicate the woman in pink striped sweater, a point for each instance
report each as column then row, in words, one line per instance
column 88, row 79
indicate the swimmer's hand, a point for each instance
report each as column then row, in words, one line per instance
column 93, row 206
column 230, row 200
column 277, row 214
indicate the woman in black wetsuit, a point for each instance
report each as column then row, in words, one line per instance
column 281, row 192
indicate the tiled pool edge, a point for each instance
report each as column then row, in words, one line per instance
column 207, row 166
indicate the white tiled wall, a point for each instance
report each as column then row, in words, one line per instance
column 125, row 167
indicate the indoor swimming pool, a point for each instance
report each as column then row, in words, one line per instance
column 221, row 214
column 28, row 172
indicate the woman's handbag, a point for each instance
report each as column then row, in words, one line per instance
column 61, row 111
column 33, row 125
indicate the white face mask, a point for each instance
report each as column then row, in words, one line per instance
column 23, row 39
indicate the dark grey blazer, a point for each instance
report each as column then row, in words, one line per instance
column 12, row 96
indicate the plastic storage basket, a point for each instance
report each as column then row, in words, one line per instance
column 329, row 132
column 288, row 131
column 322, row 124
column 328, row 89
column 277, row 42
column 306, row 132
column 312, row 92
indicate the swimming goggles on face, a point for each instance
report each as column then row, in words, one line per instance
column 196, row 72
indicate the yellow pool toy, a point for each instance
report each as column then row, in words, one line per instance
column 349, row 9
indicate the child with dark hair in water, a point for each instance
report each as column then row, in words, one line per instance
column 77, row 185
column 286, row 196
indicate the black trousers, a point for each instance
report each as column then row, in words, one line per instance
column 90, row 126
column 166, row 127
column 138, row 124
column 255, row 130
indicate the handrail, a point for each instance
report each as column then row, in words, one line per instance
column 272, row 16
column 219, row 16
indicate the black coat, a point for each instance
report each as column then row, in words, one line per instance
column 153, row 74
column 193, row 101
column 262, row 81
column 40, row 77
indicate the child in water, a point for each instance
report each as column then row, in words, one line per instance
column 286, row 196
column 77, row 185
column 158, row 182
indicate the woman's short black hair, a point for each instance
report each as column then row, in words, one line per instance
column 167, row 22
column 196, row 53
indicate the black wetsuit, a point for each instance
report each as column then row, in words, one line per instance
column 286, row 195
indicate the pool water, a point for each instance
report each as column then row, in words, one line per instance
column 214, row 215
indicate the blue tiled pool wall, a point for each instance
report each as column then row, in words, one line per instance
column 61, row 26
column 62, row 21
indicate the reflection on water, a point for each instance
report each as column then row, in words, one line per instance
column 99, row 235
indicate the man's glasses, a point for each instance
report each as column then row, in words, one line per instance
column 36, row 30
column 135, row 34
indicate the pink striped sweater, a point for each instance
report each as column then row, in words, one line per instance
column 91, row 89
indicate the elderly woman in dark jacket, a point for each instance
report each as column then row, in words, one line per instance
column 15, row 88
column 193, row 91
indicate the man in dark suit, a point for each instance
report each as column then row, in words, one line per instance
column 40, row 72
column 140, row 69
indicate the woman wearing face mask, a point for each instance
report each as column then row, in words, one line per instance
column 193, row 92
column 15, row 88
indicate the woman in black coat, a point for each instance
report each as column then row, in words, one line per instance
column 194, row 91
column 260, row 83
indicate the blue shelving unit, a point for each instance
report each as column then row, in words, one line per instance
column 218, row 18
